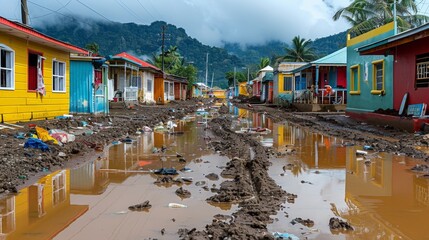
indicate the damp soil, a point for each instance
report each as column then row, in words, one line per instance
column 248, row 183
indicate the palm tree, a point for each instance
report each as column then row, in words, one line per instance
column 301, row 51
column 365, row 15
column 264, row 62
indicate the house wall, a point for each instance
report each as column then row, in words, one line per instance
column 20, row 104
column 405, row 73
column 242, row 89
column 81, row 89
column 159, row 90
column 278, row 90
column 341, row 77
column 148, row 95
column 365, row 101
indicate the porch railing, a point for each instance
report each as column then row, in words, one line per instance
column 131, row 93
column 338, row 96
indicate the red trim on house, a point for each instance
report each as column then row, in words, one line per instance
column 31, row 32
column 137, row 60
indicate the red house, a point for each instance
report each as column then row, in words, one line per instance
column 410, row 50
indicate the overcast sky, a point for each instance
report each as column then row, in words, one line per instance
column 210, row 21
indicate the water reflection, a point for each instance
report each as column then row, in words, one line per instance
column 41, row 210
column 376, row 193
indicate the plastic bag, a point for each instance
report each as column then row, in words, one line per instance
column 43, row 135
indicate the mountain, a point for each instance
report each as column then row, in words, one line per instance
column 143, row 41
column 330, row 44
column 251, row 54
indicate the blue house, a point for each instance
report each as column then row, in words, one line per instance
column 88, row 85
column 369, row 78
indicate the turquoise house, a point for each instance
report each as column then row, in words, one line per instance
column 88, row 85
column 370, row 77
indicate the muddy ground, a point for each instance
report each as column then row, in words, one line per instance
column 249, row 184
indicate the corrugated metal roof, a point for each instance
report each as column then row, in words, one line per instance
column 337, row 58
column 137, row 60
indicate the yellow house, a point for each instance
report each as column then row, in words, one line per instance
column 242, row 89
column 34, row 73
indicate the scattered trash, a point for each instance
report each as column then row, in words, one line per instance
column 140, row 207
column 289, row 236
column 302, row 181
column 20, row 135
column 121, row 212
column 367, row 147
column 62, row 154
column 361, row 152
column 43, row 135
column 36, row 143
column 166, row 171
column 187, row 179
column 115, row 142
column 176, row 205
column 83, row 123
column 62, row 136
column 186, row 169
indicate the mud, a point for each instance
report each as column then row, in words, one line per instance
column 379, row 138
column 247, row 181
column 21, row 167
column 250, row 186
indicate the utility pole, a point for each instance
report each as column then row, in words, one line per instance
column 395, row 22
column 234, row 82
column 162, row 47
column 24, row 12
column 207, row 69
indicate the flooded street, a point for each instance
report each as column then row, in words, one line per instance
column 377, row 193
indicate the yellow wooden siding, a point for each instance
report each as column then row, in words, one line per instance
column 281, row 82
column 18, row 104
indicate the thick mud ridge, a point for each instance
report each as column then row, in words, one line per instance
column 379, row 138
column 250, row 186
column 21, row 166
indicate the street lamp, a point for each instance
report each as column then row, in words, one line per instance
column 248, row 74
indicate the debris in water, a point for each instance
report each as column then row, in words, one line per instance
column 183, row 193
column 176, row 205
column 140, row 207
column 336, row 224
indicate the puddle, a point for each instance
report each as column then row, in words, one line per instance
column 381, row 199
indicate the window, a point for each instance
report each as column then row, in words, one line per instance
column 149, row 85
column 377, row 77
column 59, row 188
column 6, row 68
column 287, row 83
column 355, row 79
column 422, row 71
column 59, row 76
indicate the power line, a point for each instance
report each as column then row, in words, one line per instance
column 68, row 16
column 124, row 6
column 53, row 11
column 145, row 9
column 156, row 10
column 99, row 14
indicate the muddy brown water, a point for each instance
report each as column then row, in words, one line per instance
column 377, row 194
